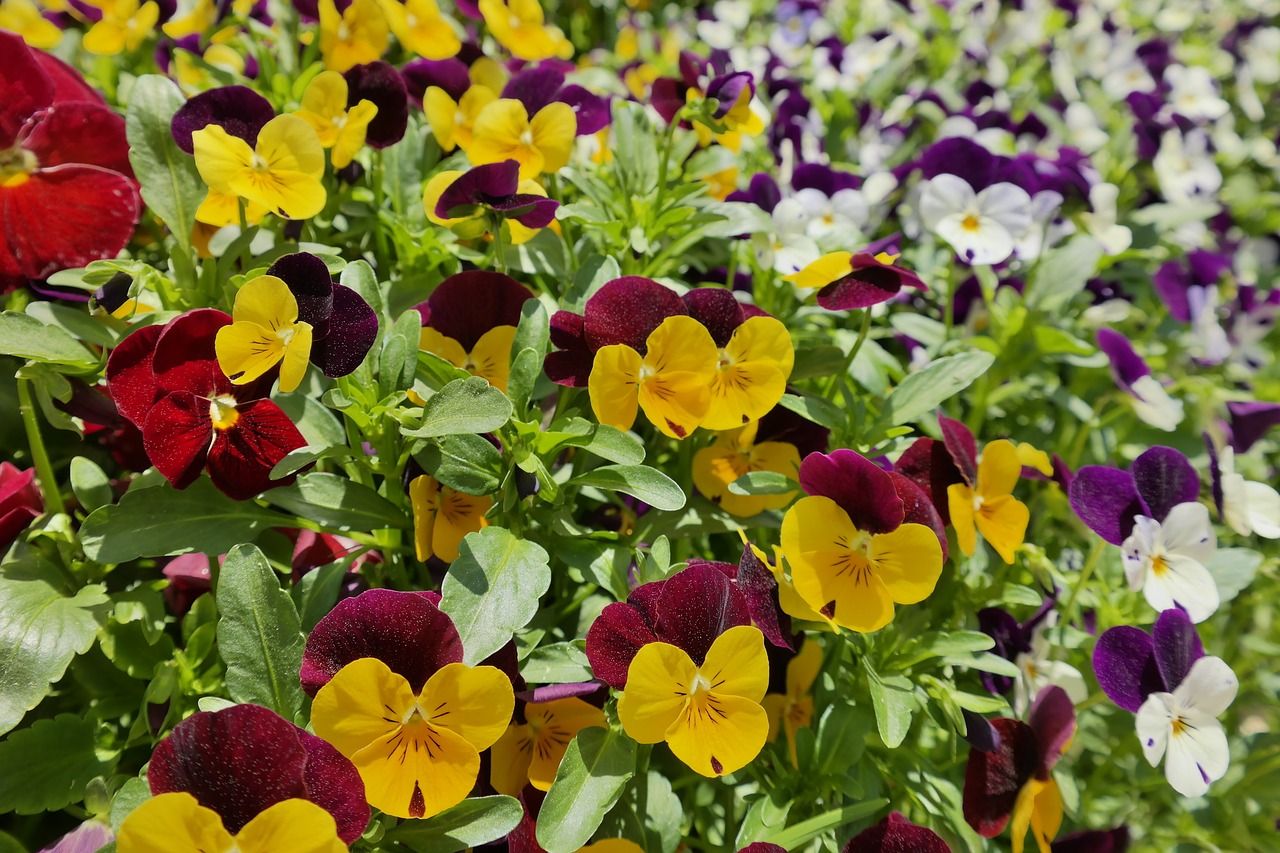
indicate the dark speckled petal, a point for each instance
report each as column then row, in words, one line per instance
column 310, row 283
column 697, row 605
column 993, row 779
column 896, row 834
column 466, row 305
column 626, row 310
column 382, row 84
column 613, row 641
column 238, row 110
column 861, row 488
column 353, row 327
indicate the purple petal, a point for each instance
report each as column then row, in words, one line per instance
column 1250, row 421
column 592, row 111
column 478, row 186
column 310, row 283
column 1164, row 478
column 627, row 310
column 404, row 630
column 896, row 834
column 334, row 784
column 962, row 446
column 697, row 605
column 1011, row 641
column 552, row 692
column 821, row 177
column 89, row 837
column 382, row 84
column 535, row 86
column 448, row 74
column 466, row 305
column 717, row 309
column 1126, row 365
column 238, row 110
column 859, row 486
column 979, row 732
column 762, row 191
column 353, row 327
column 668, row 97
column 763, row 847
column 1215, row 473
column 1053, row 718
column 760, row 589
column 1107, row 500
column 531, row 211
column 1125, row 665
column 1176, row 646
column 963, row 158
column 613, row 641
column 1207, row 268
column 1171, row 281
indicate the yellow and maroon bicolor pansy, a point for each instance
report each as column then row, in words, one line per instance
column 443, row 516
column 470, row 321
column 737, row 452
column 1014, row 780
column 791, row 711
column 357, row 35
column 167, row 381
column 504, row 130
column 177, row 823
column 67, row 194
column 265, row 333
column 982, row 501
column 752, row 369
column 709, row 713
column 281, row 172
column 520, row 26
column 229, row 772
column 324, row 107
column 529, row 752
column 853, row 550
column 469, row 202
column 392, row 694
column 852, row 280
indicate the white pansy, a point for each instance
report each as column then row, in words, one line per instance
column 1184, row 167
column 729, row 19
column 1101, row 222
column 1167, row 561
column 1209, row 339
column 844, row 213
column 1044, row 208
column 789, row 248
column 1262, row 55
column 1153, row 405
column 1193, row 93
column 1182, row 727
column 983, row 227
column 1247, row 507
column 1036, row 670
column 1083, row 128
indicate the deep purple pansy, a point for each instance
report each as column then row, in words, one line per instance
column 1108, row 499
column 238, row 110
column 382, row 84
column 1250, row 420
column 1013, row 638
column 344, row 327
column 1131, row 664
column 466, row 305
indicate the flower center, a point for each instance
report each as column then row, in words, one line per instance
column 285, row 334
column 700, row 684
column 971, row 222
column 16, row 166
column 526, row 138
column 1179, row 726
column 411, row 20
column 222, row 411
column 645, row 372
column 344, row 33
column 1158, row 565
column 259, row 163
column 726, row 360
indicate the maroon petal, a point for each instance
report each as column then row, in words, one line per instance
column 353, row 327
column 760, row 590
column 962, row 446
column 1053, row 718
column 626, row 310
column 1107, row 500
column 697, row 605
column 782, row 424
column 1094, row 841
column 869, row 282
column 404, row 630
column 1011, row 640
column 1125, row 665
column 24, row 87
column 448, row 74
column 591, row 110
column 763, row 847
column 535, row 86
column 466, row 305
column 1164, row 478
column 242, row 457
column 238, row 761
column 79, row 132
column 929, row 465
column 238, row 110
column 858, row 485
column 185, row 359
column 993, row 779
column 571, row 364
column 667, row 97
column 382, row 84
column 129, row 376
column 918, row 509
column 644, row 599
column 310, row 283
column 614, row 639
column 477, row 185
column 333, row 783
column 177, row 435
column 1176, row 646
column 979, row 732
column 531, row 211
column 896, row 834
column 717, row 309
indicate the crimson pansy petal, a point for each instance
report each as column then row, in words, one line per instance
column 1176, row 646
column 918, row 509
column 238, row 761
column 1125, row 666
column 535, row 87
column 717, row 309
column 14, row 522
column 1053, row 718
column 80, row 132
column 24, row 86
column 614, row 639
column 858, row 485
column 242, row 457
column 333, row 783
column 760, row 589
column 177, row 435
column 1094, row 841
column 404, row 630
column 896, row 834
column 185, row 359
column 65, row 217
column 477, row 186
column 1171, row 282
column 1107, row 500
column 591, row 110
column 1164, row 478
column 626, row 310
column 353, row 327
column 68, row 83
column 129, row 376
column 1126, row 365
column 929, row 465
column 763, row 847
column 1250, row 421
column 868, row 283
column 468, row 304
column 382, row 84
column 448, row 74
column 697, row 605
column 311, row 285
column 962, row 446
column 238, row 110
column 667, row 97
column 993, row 779
column 570, row 365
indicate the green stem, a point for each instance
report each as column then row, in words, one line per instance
column 1086, row 572
column 499, row 245
column 246, row 256
column 39, row 456
column 379, row 234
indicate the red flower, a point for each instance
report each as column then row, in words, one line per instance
column 67, row 194
column 166, row 379
column 20, row 502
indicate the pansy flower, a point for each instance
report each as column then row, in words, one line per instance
column 24, row 18
column 1165, row 536
column 281, row 172
column 67, row 195
column 983, row 501
column 544, row 83
column 896, row 834
column 1177, row 694
column 470, row 321
column 21, row 502
column 244, row 778
column 504, row 130
column 1151, row 402
column 793, row 710
column 851, row 280
column 530, row 751
column 453, row 96
column 124, row 26
column 265, row 332
column 1246, row 506
column 466, row 201
column 754, row 358
column 240, row 112
column 167, row 381
column 520, row 26
column 421, row 28
column 1026, row 645
column 984, row 226
column 324, row 107
column 1015, row 780
column 355, row 35
column 442, row 516
column 381, row 84
column 1249, row 421
column 392, row 694
column 863, row 540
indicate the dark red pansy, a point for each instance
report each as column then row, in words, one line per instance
column 613, row 641
column 760, row 589
column 244, row 759
column 495, row 186
column 862, row 489
column 868, row 282
column 1131, row 664
column 466, row 305
column 1094, row 841
column 382, row 84
column 627, row 310
column 763, row 847
column 918, row 509
column 238, row 110
column 962, row 446
column 896, row 834
column 570, row 363
column 344, row 327
column 782, row 424
column 405, row 630
column 1108, row 499
column 717, row 309
column 929, row 465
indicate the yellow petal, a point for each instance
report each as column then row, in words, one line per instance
column 486, row 73
column 744, row 392
column 509, row 760
column 491, row 357
column 998, row 469
column 440, row 110
column 554, row 724
column 718, row 734
column 429, row 340
column 499, row 134
column 246, row 351
column 172, row 822
column 297, row 355
column 682, row 343
column 1003, row 522
column 613, row 845
column 267, row 301
column 326, row 96
column 352, row 710
column 763, row 339
column 353, row 133
column 554, row 128
column 1046, row 815
column 658, row 681
column 220, row 157
column 614, row 385
column 803, row 669
column 822, row 272
column 780, row 458
column 714, row 468
column 290, row 826
column 960, row 505
column 473, row 701
column 417, row 771
column 909, row 562
column 424, row 495
column 459, row 515
column 736, row 664
column 288, row 144
column 774, row 705
column 1030, row 457
column 675, row 401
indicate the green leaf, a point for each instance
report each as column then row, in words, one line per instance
column 399, row 359
column 816, row 409
column 163, row 521
column 468, row 463
column 317, row 592
column 558, row 663
column 472, row 822
column 763, row 483
column 533, row 338
column 986, row 662
column 9, row 844
column 595, row 272
column 259, row 636
column 171, row 185
column 492, row 589
column 469, row 405
column 1062, row 273
column 26, row 337
column 922, row 392
column 57, row 759
column 648, row 484
column 91, row 485
column 132, row 794
column 591, row 777
column 41, row 631
column 795, row 837
column 894, row 700
column 335, row 501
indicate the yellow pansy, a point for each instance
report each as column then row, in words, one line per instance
column 356, row 36
column 124, row 26
column 709, row 715
column 793, row 710
column 417, row 754
column 530, row 752
column 177, row 823
column 1038, row 807
column 989, row 505
column 282, row 173
column 324, row 107
column 197, row 21
column 612, row 845
column 221, row 210
column 489, row 359
column 1031, row 457
column 504, row 131
column 453, row 122
column 736, row 453
column 442, row 517
column 671, row 382
column 23, row 17
column 721, row 184
column 421, row 28
column 520, row 27
column 751, row 374
column 265, row 332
